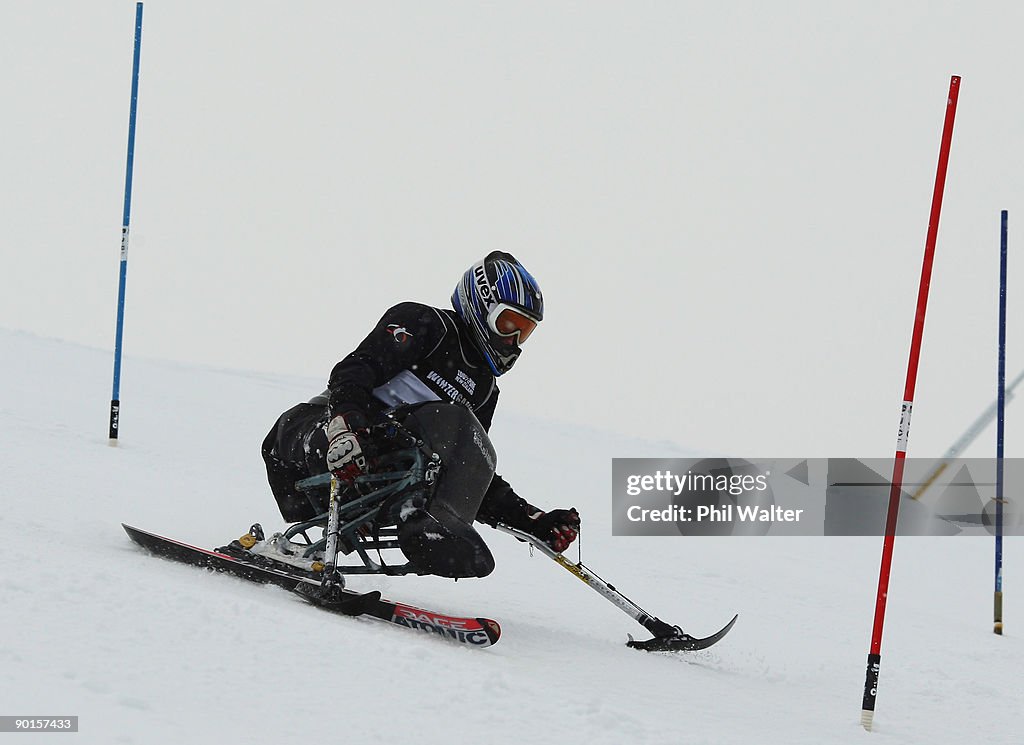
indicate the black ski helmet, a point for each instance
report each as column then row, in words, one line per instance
column 501, row 303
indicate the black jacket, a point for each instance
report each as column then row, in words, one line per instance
column 419, row 353
column 415, row 353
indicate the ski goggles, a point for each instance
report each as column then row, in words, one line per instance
column 510, row 323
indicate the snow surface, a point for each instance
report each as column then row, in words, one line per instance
column 146, row 651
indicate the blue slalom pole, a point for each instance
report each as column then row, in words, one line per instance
column 998, row 603
column 115, row 398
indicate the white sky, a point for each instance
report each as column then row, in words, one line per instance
column 725, row 203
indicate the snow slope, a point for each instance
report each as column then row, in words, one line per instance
column 146, row 651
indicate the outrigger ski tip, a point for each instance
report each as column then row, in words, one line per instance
column 680, row 642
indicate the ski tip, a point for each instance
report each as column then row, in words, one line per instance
column 682, row 642
column 136, row 534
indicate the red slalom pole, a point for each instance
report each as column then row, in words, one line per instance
column 874, row 655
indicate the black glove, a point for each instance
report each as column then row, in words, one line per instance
column 557, row 529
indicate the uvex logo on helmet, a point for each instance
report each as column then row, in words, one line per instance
column 483, row 288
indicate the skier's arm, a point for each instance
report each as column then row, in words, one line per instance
column 557, row 528
column 502, row 505
column 403, row 336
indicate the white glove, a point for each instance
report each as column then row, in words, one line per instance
column 345, row 457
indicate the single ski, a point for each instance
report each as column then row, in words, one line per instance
column 472, row 632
